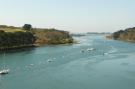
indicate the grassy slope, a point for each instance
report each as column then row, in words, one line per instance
column 12, row 30
column 52, row 36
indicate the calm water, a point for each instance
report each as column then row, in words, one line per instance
column 110, row 66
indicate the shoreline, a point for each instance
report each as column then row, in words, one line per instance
column 28, row 46
column 16, row 47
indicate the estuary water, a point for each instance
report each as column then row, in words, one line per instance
column 94, row 63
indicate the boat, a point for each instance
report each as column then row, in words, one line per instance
column 90, row 49
column 82, row 51
column 105, row 53
column 49, row 60
column 5, row 71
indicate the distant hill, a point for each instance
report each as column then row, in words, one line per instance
column 126, row 35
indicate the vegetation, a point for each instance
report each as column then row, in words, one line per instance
column 27, row 27
column 127, row 34
column 52, row 36
column 16, row 37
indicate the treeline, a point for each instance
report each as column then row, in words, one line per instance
column 15, row 39
column 127, row 34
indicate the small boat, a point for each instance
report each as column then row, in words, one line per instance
column 49, row 60
column 31, row 64
column 105, row 53
column 90, row 49
column 82, row 51
column 3, row 72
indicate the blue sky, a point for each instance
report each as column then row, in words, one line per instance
column 70, row 15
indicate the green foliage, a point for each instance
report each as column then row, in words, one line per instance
column 9, row 39
column 27, row 27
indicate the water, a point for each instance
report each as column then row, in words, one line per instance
column 110, row 66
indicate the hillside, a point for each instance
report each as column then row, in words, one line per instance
column 126, row 35
column 13, row 37
column 51, row 36
column 16, row 37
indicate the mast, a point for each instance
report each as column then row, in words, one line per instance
column 4, row 60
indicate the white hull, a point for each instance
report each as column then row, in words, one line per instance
column 4, row 71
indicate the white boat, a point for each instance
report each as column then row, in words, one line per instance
column 105, row 53
column 90, row 49
column 5, row 71
column 49, row 60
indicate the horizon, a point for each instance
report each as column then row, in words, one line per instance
column 73, row 16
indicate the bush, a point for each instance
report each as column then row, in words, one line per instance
column 27, row 27
column 9, row 39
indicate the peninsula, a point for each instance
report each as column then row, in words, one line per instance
column 19, row 37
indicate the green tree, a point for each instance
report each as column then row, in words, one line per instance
column 27, row 27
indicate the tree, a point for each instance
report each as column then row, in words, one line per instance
column 27, row 27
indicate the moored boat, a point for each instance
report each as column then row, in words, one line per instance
column 5, row 71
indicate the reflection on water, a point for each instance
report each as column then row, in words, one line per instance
column 103, row 64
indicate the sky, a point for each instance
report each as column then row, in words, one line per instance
column 70, row 15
